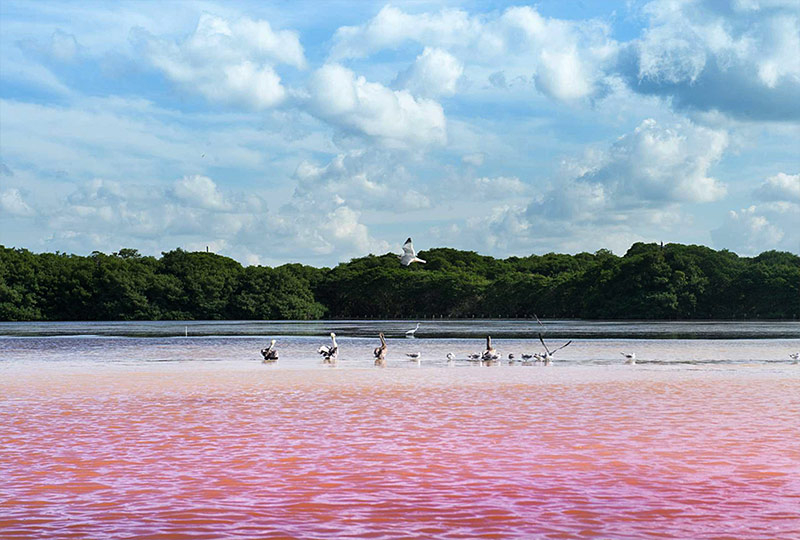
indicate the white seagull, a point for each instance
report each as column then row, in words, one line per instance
column 330, row 353
column 630, row 358
column 270, row 354
column 410, row 333
column 795, row 357
column 548, row 354
column 451, row 358
column 409, row 255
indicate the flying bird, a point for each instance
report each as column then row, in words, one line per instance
column 270, row 354
column 409, row 255
column 330, row 353
column 380, row 352
column 548, row 354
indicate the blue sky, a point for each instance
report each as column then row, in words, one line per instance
column 320, row 131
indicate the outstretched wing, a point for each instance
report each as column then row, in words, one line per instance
column 543, row 345
column 408, row 248
column 564, row 345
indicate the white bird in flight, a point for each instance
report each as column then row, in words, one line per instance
column 409, row 255
column 410, row 333
column 548, row 354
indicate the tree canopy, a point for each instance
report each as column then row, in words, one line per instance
column 650, row 281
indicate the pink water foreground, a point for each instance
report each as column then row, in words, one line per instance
column 173, row 452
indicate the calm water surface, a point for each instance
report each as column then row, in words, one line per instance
column 106, row 436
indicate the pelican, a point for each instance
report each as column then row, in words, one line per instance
column 270, row 354
column 414, row 355
column 380, row 352
column 630, row 358
column 330, row 353
column 490, row 354
column 409, row 255
column 548, row 354
column 795, row 357
column 410, row 333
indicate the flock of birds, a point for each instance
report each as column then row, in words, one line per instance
column 489, row 356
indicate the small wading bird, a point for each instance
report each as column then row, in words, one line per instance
column 548, row 354
column 409, row 255
column 410, row 333
column 451, row 358
column 630, row 358
column 330, row 353
column 414, row 355
column 795, row 357
column 380, row 352
column 270, row 354
column 474, row 357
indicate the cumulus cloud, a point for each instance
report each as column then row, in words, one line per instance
column 567, row 57
column 228, row 61
column 363, row 179
column 654, row 165
column 781, row 187
column 759, row 228
column 194, row 212
column 767, row 225
column 434, row 73
column 394, row 117
column 200, row 192
column 12, row 203
column 740, row 59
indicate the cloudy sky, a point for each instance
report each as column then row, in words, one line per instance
column 319, row 131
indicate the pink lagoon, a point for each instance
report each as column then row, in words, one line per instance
column 162, row 438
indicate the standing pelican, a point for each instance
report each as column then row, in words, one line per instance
column 795, row 357
column 410, row 333
column 630, row 358
column 330, row 353
column 380, row 352
column 548, row 354
column 270, row 354
column 409, row 255
column 490, row 354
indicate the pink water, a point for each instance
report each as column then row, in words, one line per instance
column 177, row 451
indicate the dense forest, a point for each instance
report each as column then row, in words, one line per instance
column 649, row 282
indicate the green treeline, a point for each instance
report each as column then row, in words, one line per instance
column 649, row 282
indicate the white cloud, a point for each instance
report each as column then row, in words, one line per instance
column 741, row 59
column 781, row 187
column 228, row 61
column 759, row 228
column 568, row 57
column 373, row 179
column 200, row 192
column 661, row 164
column 394, row 117
column 434, row 73
column 11, row 202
